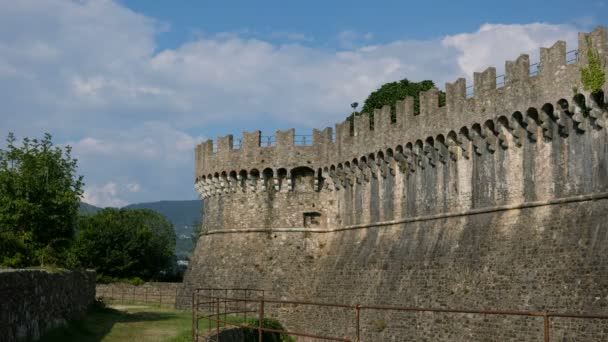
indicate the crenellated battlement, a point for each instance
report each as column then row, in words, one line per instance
column 525, row 102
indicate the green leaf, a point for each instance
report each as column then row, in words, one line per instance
column 39, row 197
column 126, row 243
column 593, row 76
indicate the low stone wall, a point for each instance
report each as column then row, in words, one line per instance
column 164, row 294
column 35, row 301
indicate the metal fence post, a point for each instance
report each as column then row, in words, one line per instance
column 260, row 320
column 546, row 324
column 245, row 303
column 160, row 296
column 217, row 326
column 357, row 309
column 194, row 316
column 146, row 295
column 225, row 304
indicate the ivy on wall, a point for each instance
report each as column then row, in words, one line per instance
column 593, row 76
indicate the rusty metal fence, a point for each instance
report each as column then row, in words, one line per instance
column 220, row 307
column 215, row 305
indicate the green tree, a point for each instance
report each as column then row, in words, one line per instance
column 39, row 199
column 126, row 243
column 390, row 93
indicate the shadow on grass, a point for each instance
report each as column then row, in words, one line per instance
column 98, row 323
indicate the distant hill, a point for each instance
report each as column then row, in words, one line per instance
column 87, row 209
column 182, row 214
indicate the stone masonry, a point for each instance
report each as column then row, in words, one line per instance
column 495, row 201
column 32, row 302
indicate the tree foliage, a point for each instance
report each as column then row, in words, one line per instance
column 39, row 199
column 593, row 76
column 126, row 243
column 390, row 93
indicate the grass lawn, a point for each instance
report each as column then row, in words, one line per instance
column 127, row 323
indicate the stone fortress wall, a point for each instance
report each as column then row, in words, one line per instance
column 496, row 201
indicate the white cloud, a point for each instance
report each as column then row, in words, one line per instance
column 349, row 39
column 151, row 140
column 111, row 194
column 91, row 59
column 152, row 161
column 90, row 72
column 493, row 44
column 106, row 195
column 133, row 187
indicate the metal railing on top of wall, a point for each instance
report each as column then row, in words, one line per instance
column 271, row 140
column 572, row 57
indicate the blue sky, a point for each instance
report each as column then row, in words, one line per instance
column 320, row 22
column 133, row 85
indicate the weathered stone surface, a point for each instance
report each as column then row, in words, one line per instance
column 498, row 201
column 35, row 301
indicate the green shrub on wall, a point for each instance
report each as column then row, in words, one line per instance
column 593, row 76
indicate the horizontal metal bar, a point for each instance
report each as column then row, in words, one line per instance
column 229, row 289
column 276, row 301
column 290, row 302
column 581, row 316
column 225, row 301
column 461, row 311
column 232, row 312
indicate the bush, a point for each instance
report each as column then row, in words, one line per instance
column 14, row 252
